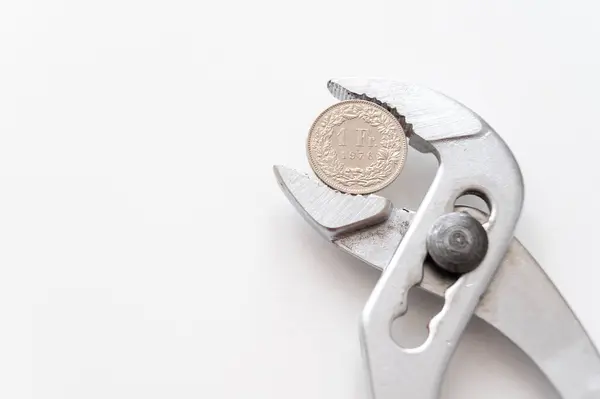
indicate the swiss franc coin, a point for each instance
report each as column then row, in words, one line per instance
column 357, row 147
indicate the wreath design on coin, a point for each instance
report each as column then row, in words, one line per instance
column 391, row 151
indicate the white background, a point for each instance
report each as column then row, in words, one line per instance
column 145, row 249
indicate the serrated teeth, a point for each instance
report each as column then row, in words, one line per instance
column 343, row 94
column 339, row 92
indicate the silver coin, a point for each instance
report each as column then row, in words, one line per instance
column 357, row 147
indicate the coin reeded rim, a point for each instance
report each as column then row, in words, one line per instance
column 364, row 190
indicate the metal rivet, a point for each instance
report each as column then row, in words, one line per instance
column 457, row 242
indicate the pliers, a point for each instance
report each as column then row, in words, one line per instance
column 505, row 287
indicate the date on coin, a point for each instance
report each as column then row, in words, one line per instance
column 357, row 147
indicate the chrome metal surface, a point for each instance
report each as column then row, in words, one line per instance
column 332, row 213
column 521, row 302
column 376, row 245
column 457, row 242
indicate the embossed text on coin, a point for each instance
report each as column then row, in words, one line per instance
column 357, row 147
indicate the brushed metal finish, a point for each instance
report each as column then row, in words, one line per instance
column 332, row 213
column 425, row 113
column 376, row 245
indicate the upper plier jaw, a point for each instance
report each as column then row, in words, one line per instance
column 473, row 159
column 414, row 107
